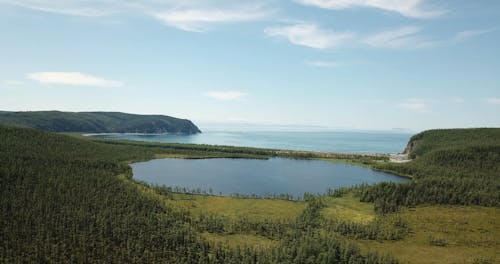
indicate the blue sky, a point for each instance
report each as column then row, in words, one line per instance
column 355, row 64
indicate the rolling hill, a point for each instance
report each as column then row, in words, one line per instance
column 449, row 166
column 98, row 122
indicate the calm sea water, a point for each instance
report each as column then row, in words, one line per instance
column 261, row 177
column 334, row 141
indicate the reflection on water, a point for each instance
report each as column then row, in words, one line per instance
column 261, row 177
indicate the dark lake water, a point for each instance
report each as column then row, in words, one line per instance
column 261, row 177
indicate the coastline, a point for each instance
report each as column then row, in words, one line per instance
column 342, row 142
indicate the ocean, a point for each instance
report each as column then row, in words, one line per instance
column 331, row 141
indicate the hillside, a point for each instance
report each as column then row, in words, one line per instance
column 432, row 140
column 68, row 199
column 449, row 166
column 71, row 199
column 98, row 122
column 457, row 153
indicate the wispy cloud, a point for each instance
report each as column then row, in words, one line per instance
column 11, row 83
column 202, row 16
column 403, row 37
column 415, row 105
column 225, row 95
column 408, row 8
column 493, row 100
column 193, row 15
column 72, row 78
column 74, row 8
column 411, row 37
column 199, row 20
column 309, row 35
column 468, row 34
column 323, row 64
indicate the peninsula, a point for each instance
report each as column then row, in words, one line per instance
column 98, row 122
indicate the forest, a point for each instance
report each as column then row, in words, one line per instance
column 62, row 201
column 72, row 199
column 454, row 166
column 98, row 122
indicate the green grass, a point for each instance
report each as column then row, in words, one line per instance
column 348, row 208
column 253, row 209
column 368, row 162
column 242, row 240
column 471, row 233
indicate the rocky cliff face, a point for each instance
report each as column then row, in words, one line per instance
column 410, row 146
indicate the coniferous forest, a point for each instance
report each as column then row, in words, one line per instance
column 98, row 122
column 70, row 199
column 454, row 166
column 62, row 202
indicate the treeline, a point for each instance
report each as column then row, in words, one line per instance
column 168, row 190
column 390, row 227
column 62, row 202
column 195, row 150
column 220, row 151
column 457, row 166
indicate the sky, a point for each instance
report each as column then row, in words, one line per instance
column 339, row 64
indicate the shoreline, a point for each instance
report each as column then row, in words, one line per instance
column 342, row 142
column 279, row 151
column 205, row 151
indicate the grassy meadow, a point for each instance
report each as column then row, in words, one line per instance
column 446, row 234
column 438, row 234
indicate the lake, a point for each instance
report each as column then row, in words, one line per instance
column 332, row 141
column 260, row 177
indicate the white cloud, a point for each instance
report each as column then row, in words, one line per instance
column 75, row 7
column 468, row 34
column 403, row 37
column 202, row 15
column 324, row 64
column 415, row 105
column 193, row 15
column 226, row 95
column 493, row 100
column 309, row 35
column 11, row 83
column 408, row 8
column 199, row 20
column 410, row 37
column 72, row 78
